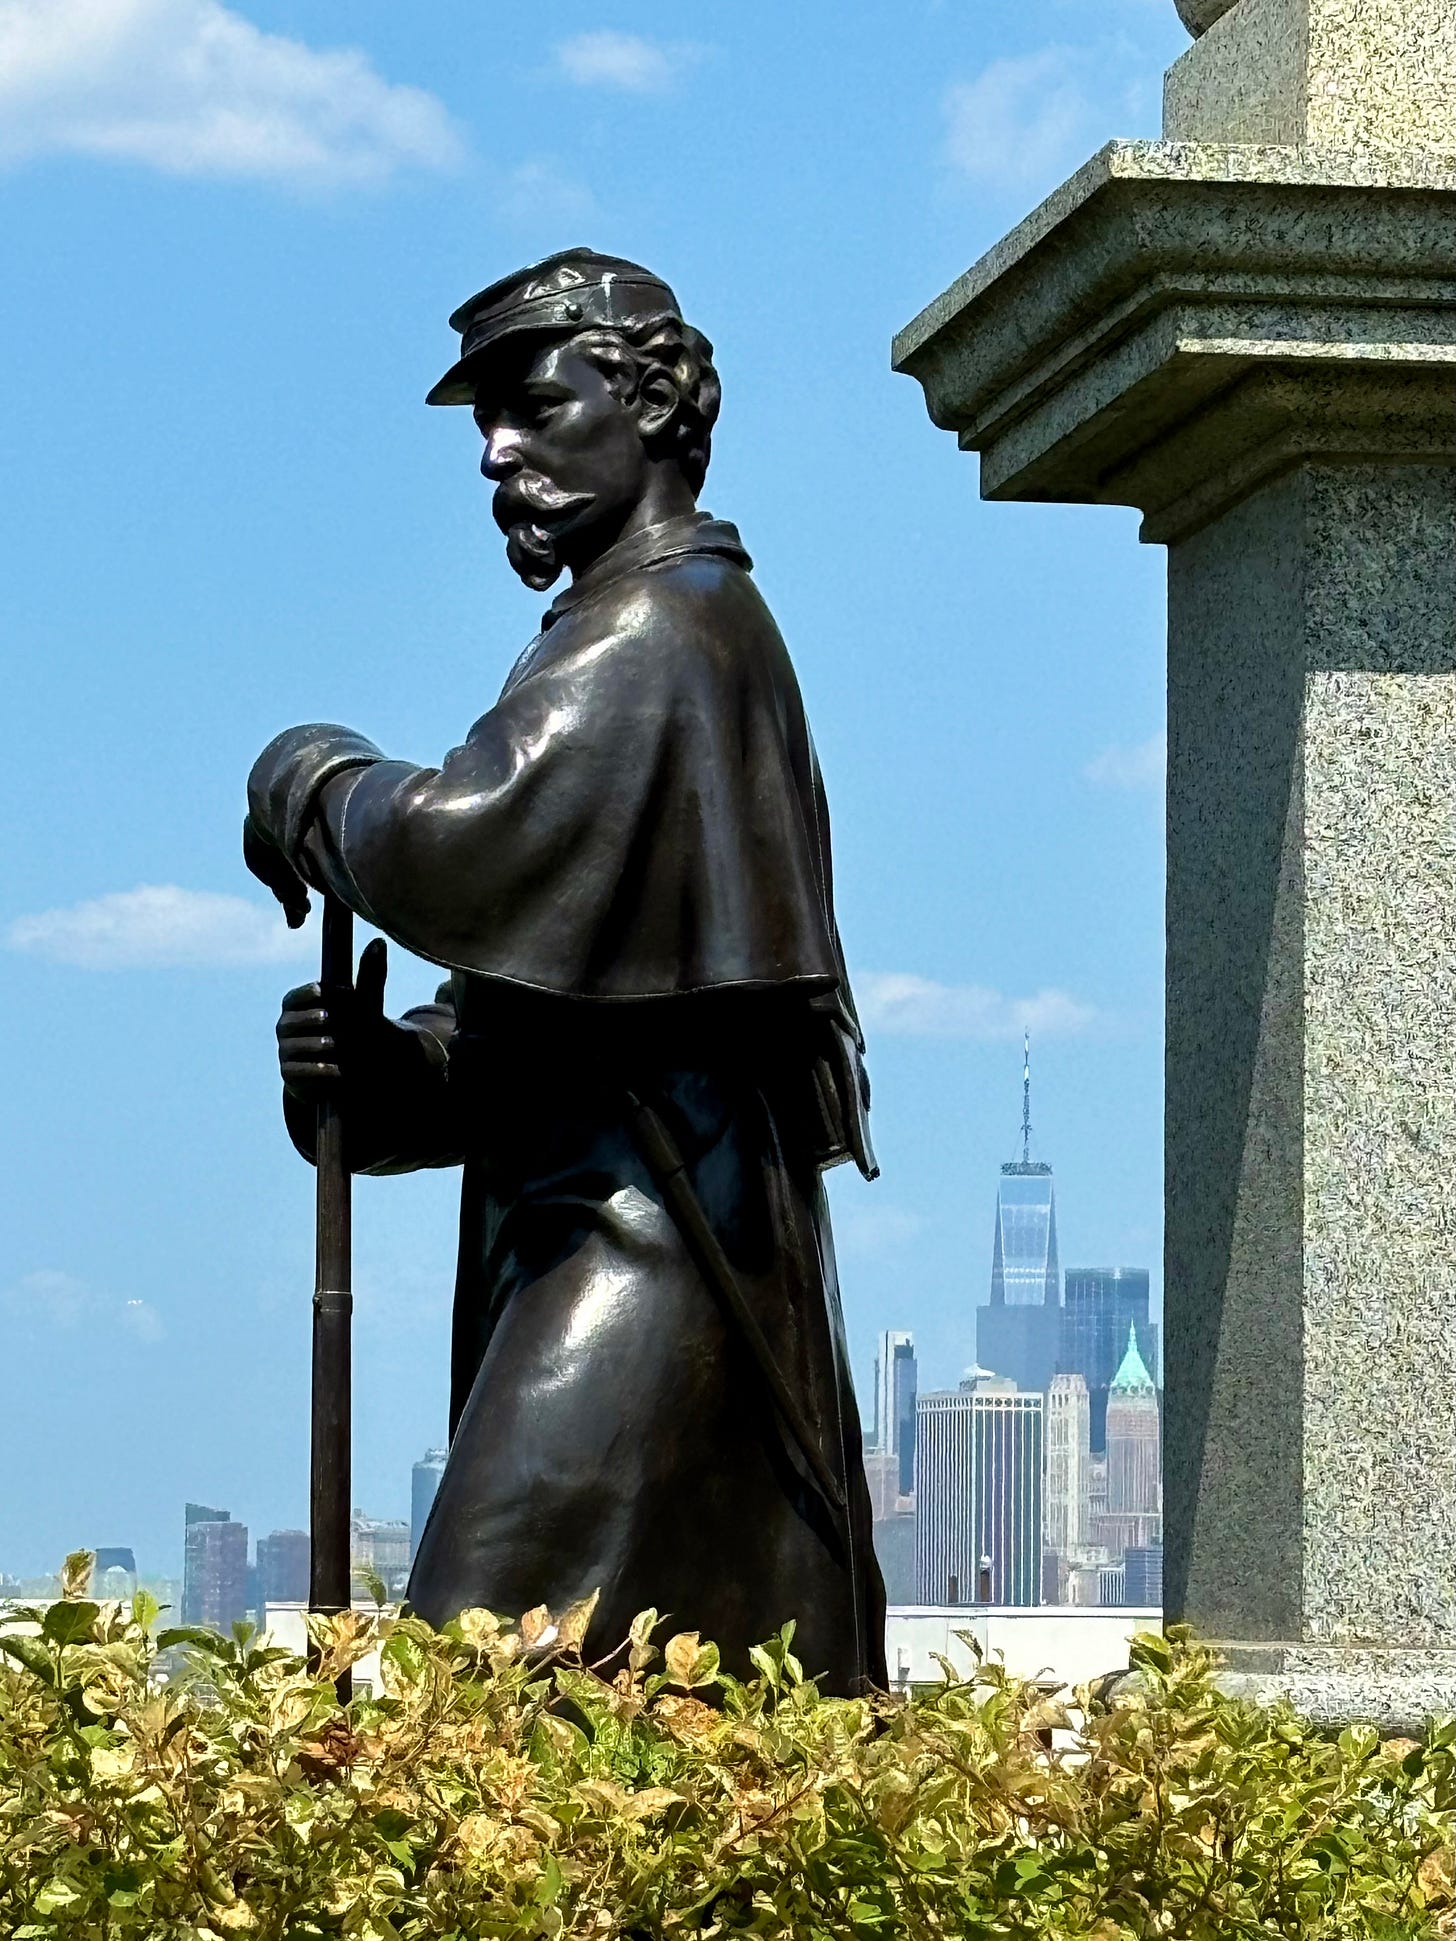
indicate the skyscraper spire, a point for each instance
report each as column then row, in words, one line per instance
column 1026, row 1101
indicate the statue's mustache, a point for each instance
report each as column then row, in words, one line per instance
column 533, row 492
column 532, row 511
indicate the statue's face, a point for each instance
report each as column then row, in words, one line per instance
column 564, row 447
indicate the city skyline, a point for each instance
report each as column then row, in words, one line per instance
column 280, row 1561
column 1038, row 1478
column 1102, row 1312
column 1102, row 1332
column 1025, row 1248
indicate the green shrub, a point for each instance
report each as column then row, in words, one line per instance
column 499, row 1787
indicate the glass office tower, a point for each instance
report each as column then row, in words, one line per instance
column 1103, row 1305
column 1024, row 1267
column 1019, row 1332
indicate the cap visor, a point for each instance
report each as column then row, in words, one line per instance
column 461, row 382
column 457, row 386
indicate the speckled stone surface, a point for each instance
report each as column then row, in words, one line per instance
column 1310, row 1427
column 1339, row 74
column 1233, row 1299
column 1380, row 1032
column 1256, row 345
column 1398, row 1691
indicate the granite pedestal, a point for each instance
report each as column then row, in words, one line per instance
column 1255, row 344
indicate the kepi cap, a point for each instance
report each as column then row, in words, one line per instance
column 577, row 289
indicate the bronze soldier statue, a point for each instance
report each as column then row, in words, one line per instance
column 646, row 1050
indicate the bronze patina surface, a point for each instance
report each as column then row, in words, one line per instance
column 645, row 1050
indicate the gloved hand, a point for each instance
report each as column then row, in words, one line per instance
column 273, row 869
column 338, row 1035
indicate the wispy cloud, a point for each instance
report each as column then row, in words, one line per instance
column 47, row 1296
column 1021, row 122
column 160, row 925
column 49, row 1300
column 900, row 1004
column 1025, row 121
column 540, row 193
column 875, row 1228
column 1141, row 765
column 141, row 1319
column 191, row 87
column 630, row 63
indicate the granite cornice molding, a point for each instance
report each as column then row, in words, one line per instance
column 1271, row 420
column 1200, row 405
column 1083, row 359
column 1055, row 223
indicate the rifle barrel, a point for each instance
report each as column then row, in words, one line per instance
column 330, row 1479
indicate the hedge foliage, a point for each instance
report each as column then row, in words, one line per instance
column 497, row 1786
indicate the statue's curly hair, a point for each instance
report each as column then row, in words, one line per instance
column 663, row 343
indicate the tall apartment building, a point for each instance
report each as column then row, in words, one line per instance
column 1068, row 1512
column 978, row 1494
column 114, row 1573
column 424, row 1481
column 892, row 1525
column 215, row 1569
column 1143, row 1575
column 283, row 1567
column 894, row 1411
column 380, row 1547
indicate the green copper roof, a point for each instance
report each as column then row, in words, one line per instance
column 1134, row 1371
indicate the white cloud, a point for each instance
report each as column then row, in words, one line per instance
column 47, row 1296
column 142, row 1319
column 875, row 1228
column 540, row 193
column 160, row 925
column 190, row 87
column 1025, row 122
column 629, row 62
column 50, row 1299
column 1022, row 122
column 1143, row 765
column 900, row 1004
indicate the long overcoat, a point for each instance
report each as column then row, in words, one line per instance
column 625, row 869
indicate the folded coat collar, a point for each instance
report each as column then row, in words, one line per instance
column 692, row 532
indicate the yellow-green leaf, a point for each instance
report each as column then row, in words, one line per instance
column 572, row 1625
column 680, row 1655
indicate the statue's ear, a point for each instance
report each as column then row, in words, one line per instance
column 658, row 398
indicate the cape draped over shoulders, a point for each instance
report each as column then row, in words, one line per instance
column 640, row 815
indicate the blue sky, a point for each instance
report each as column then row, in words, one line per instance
column 233, row 235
